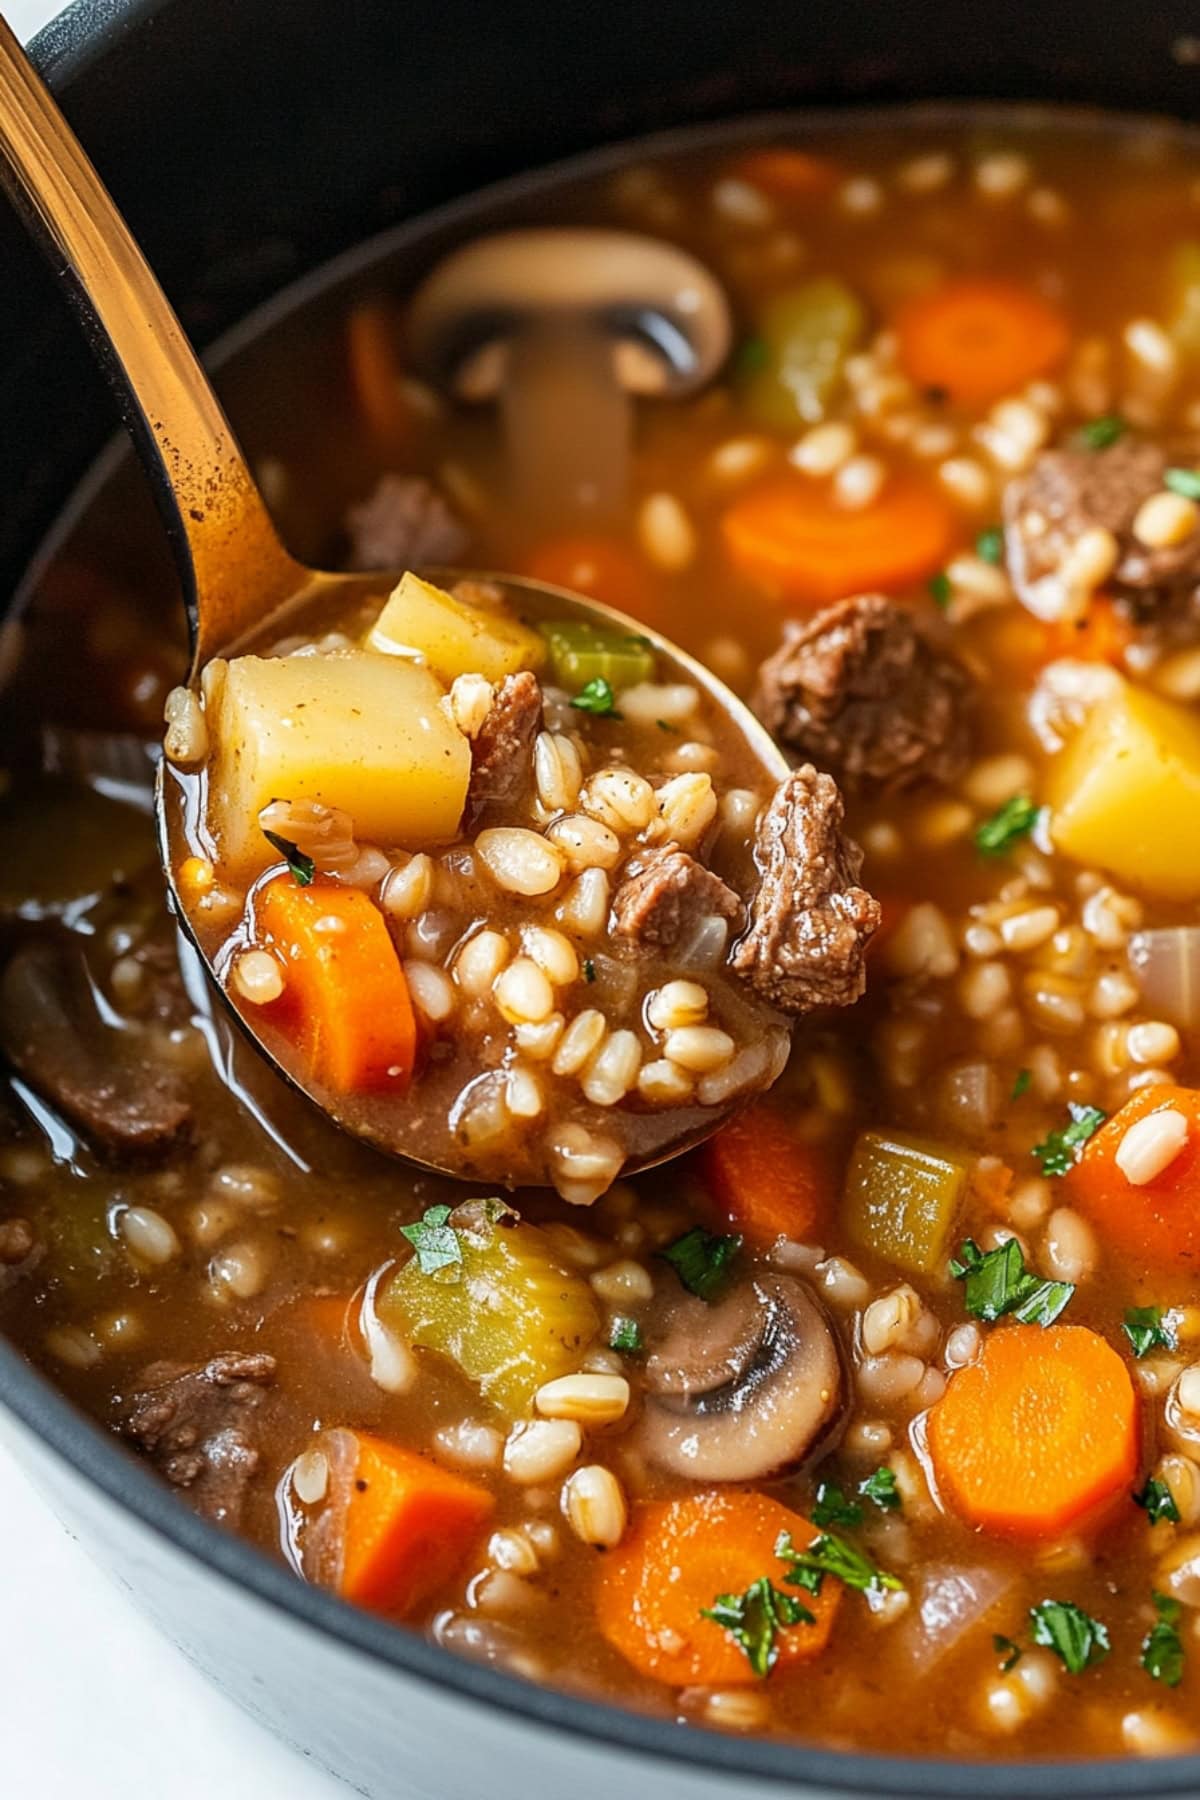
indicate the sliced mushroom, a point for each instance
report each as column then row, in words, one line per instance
column 562, row 326
column 747, row 1386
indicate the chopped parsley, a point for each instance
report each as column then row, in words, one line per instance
column 834, row 1507
column 1077, row 1639
column 701, row 1258
column 434, row 1239
column 1147, row 1328
column 1059, row 1150
column 939, row 589
column 751, row 355
column 881, row 1488
column 625, row 1335
column 754, row 1620
column 990, row 544
column 303, row 867
column 1162, row 1646
column 996, row 1282
column 1157, row 1501
column 1021, row 1084
column 1099, row 433
column 597, row 697
column 1183, row 481
column 829, row 1554
column 589, row 970
column 1013, row 821
column 666, row 725
column 1009, row 1653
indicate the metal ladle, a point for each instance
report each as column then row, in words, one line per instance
column 238, row 580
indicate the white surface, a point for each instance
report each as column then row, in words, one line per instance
column 94, row 1701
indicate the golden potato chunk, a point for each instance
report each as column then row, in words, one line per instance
column 365, row 733
column 451, row 636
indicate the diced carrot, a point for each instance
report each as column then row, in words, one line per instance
column 977, row 338
column 599, row 567
column 404, row 1524
column 372, row 348
column 346, row 996
column 766, row 1182
column 794, row 540
column 1040, row 1433
column 788, row 174
column 1102, row 635
column 677, row 1558
column 327, row 1319
column 1157, row 1222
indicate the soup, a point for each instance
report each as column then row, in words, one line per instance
column 875, row 1421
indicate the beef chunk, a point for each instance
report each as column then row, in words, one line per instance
column 403, row 523
column 53, row 1034
column 664, row 897
column 861, row 690
column 809, row 922
column 20, row 1251
column 502, row 750
column 198, row 1423
column 1066, row 493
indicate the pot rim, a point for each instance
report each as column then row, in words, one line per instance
column 65, row 50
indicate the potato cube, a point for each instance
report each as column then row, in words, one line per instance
column 451, row 636
column 1125, row 794
column 366, row 733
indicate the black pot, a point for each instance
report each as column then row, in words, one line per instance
column 247, row 141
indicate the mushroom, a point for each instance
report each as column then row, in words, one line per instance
column 563, row 327
column 748, row 1386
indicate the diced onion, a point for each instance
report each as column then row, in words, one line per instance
column 1167, row 965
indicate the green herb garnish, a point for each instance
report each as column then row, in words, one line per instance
column 833, row 1507
column 434, row 1240
column 1014, row 820
column 752, row 355
column 990, row 544
column 1099, row 433
column 1059, row 1150
column 754, row 1619
column 1183, row 481
column 1074, row 1636
column 303, row 867
column 881, row 1488
column 1009, row 1653
column 832, row 1555
column 1162, row 1646
column 666, row 725
column 701, row 1259
column 1157, row 1501
column 589, row 970
column 625, row 1335
column 1148, row 1328
column 1021, row 1084
column 996, row 1282
column 939, row 589
column 597, row 697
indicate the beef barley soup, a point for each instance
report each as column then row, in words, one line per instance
column 875, row 1420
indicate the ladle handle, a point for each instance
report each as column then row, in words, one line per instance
column 232, row 565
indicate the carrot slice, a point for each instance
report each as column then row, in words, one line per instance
column 1101, row 635
column 598, row 566
column 788, row 174
column 1158, row 1221
column 375, row 372
column 346, row 999
column 1039, row 1433
column 677, row 1558
column 799, row 545
column 978, row 338
column 767, row 1183
column 402, row 1525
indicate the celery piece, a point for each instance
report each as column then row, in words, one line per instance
column 1183, row 305
column 902, row 1197
column 808, row 333
column 581, row 654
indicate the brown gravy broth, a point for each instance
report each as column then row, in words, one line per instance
column 976, row 1033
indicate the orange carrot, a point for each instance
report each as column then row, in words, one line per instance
column 403, row 1526
column 795, row 542
column 346, row 998
column 1157, row 1222
column 1038, row 1434
column 977, row 338
column 767, row 1183
column 1102, row 635
column 600, row 567
column 788, row 174
column 677, row 1558
column 375, row 372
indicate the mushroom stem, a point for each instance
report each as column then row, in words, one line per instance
column 567, row 423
